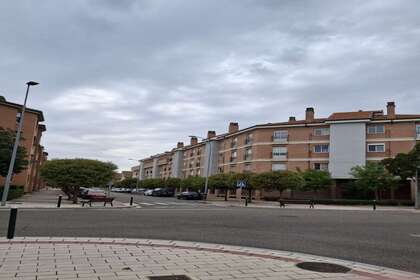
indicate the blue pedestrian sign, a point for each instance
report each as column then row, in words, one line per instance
column 241, row 184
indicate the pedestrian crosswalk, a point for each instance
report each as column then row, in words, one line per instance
column 163, row 204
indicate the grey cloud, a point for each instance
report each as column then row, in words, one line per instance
column 123, row 79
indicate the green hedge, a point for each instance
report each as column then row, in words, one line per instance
column 354, row 202
column 14, row 192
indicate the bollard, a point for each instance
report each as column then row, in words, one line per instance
column 12, row 223
column 59, row 201
column 131, row 201
column 374, row 204
column 246, row 201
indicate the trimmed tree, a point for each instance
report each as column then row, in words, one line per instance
column 373, row 177
column 72, row 174
column 127, row 183
column 316, row 180
column 172, row 183
column 7, row 140
column 193, row 183
column 221, row 181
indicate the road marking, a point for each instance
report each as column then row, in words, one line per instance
column 145, row 203
column 160, row 203
column 415, row 235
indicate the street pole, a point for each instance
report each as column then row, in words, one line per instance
column 416, row 191
column 206, row 184
column 15, row 147
column 138, row 178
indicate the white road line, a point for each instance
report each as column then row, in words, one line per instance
column 145, row 203
column 415, row 235
column 160, row 203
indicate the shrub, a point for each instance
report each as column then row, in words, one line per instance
column 14, row 192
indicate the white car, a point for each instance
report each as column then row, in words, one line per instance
column 148, row 192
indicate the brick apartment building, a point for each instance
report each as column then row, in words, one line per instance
column 336, row 143
column 32, row 132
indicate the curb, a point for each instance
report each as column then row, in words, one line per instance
column 360, row 269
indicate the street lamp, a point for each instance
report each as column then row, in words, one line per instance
column 16, row 145
column 206, row 184
column 138, row 175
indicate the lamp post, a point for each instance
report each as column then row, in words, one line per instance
column 15, row 147
column 206, row 184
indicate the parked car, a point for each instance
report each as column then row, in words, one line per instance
column 148, row 192
column 190, row 196
column 163, row 192
column 138, row 191
column 86, row 193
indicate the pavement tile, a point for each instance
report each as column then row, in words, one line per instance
column 105, row 258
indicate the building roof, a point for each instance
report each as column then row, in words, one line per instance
column 19, row 107
column 359, row 115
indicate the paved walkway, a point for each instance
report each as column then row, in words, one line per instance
column 47, row 198
column 103, row 259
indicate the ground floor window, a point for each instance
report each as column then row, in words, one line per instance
column 278, row 166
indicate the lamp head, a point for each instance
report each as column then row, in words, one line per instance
column 32, row 83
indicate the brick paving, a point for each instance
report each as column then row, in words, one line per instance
column 103, row 259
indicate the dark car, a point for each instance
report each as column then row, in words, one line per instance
column 190, row 195
column 163, row 192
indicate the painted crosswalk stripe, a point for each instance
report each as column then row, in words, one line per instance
column 145, row 203
column 160, row 203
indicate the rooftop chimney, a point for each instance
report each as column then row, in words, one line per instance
column 233, row 127
column 390, row 110
column 310, row 114
column 211, row 134
column 194, row 140
column 180, row 145
column 292, row 119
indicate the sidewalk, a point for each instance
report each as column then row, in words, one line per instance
column 272, row 204
column 48, row 199
column 105, row 259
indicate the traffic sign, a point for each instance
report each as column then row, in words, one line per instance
column 241, row 184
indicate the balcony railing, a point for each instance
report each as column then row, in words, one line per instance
column 279, row 139
column 232, row 159
column 233, row 144
column 248, row 141
column 248, row 157
column 279, row 157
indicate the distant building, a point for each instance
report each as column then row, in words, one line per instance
column 336, row 143
column 126, row 175
column 32, row 132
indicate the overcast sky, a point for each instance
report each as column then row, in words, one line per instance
column 127, row 79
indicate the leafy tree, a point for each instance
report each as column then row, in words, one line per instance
column 223, row 182
column 7, row 140
column 172, row 183
column 373, row 177
column 290, row 180
column 316, row 180
column 152, row 183
column 279, row 180
column 404, row 165
column 193, row 183
column 72, row 174
column 126, row 183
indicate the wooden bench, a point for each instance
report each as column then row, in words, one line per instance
column 103, row 199
column 283, row 202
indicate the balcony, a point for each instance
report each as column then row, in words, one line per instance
column 279, row 157
column 248, row 157
column 233, row 144
column 279, row 139
column 232, row 159
column 248, row 141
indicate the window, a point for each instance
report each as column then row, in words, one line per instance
column 248, row 167
column 418, row 131
column 321, row 166
column 234, row 142
column 376, row 148
column 279, row 152
column 321, row 148
column 280, row 135
column 278, row 167
column 376, row 129
column 248, row 154
column 248, row 139
column 322, row 131
column 18, row 116
column 233, row 155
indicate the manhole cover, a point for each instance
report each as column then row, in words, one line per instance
column 323, row 267
column 170, row 277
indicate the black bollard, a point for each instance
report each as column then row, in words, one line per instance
column 12, row 223
column 59, row 201
column 246, row 201
column 374, row 204
column 131, row 201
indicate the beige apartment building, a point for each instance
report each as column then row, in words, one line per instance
column 32, row 132
column 335, row 143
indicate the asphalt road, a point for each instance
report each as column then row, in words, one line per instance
column 382, row 238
